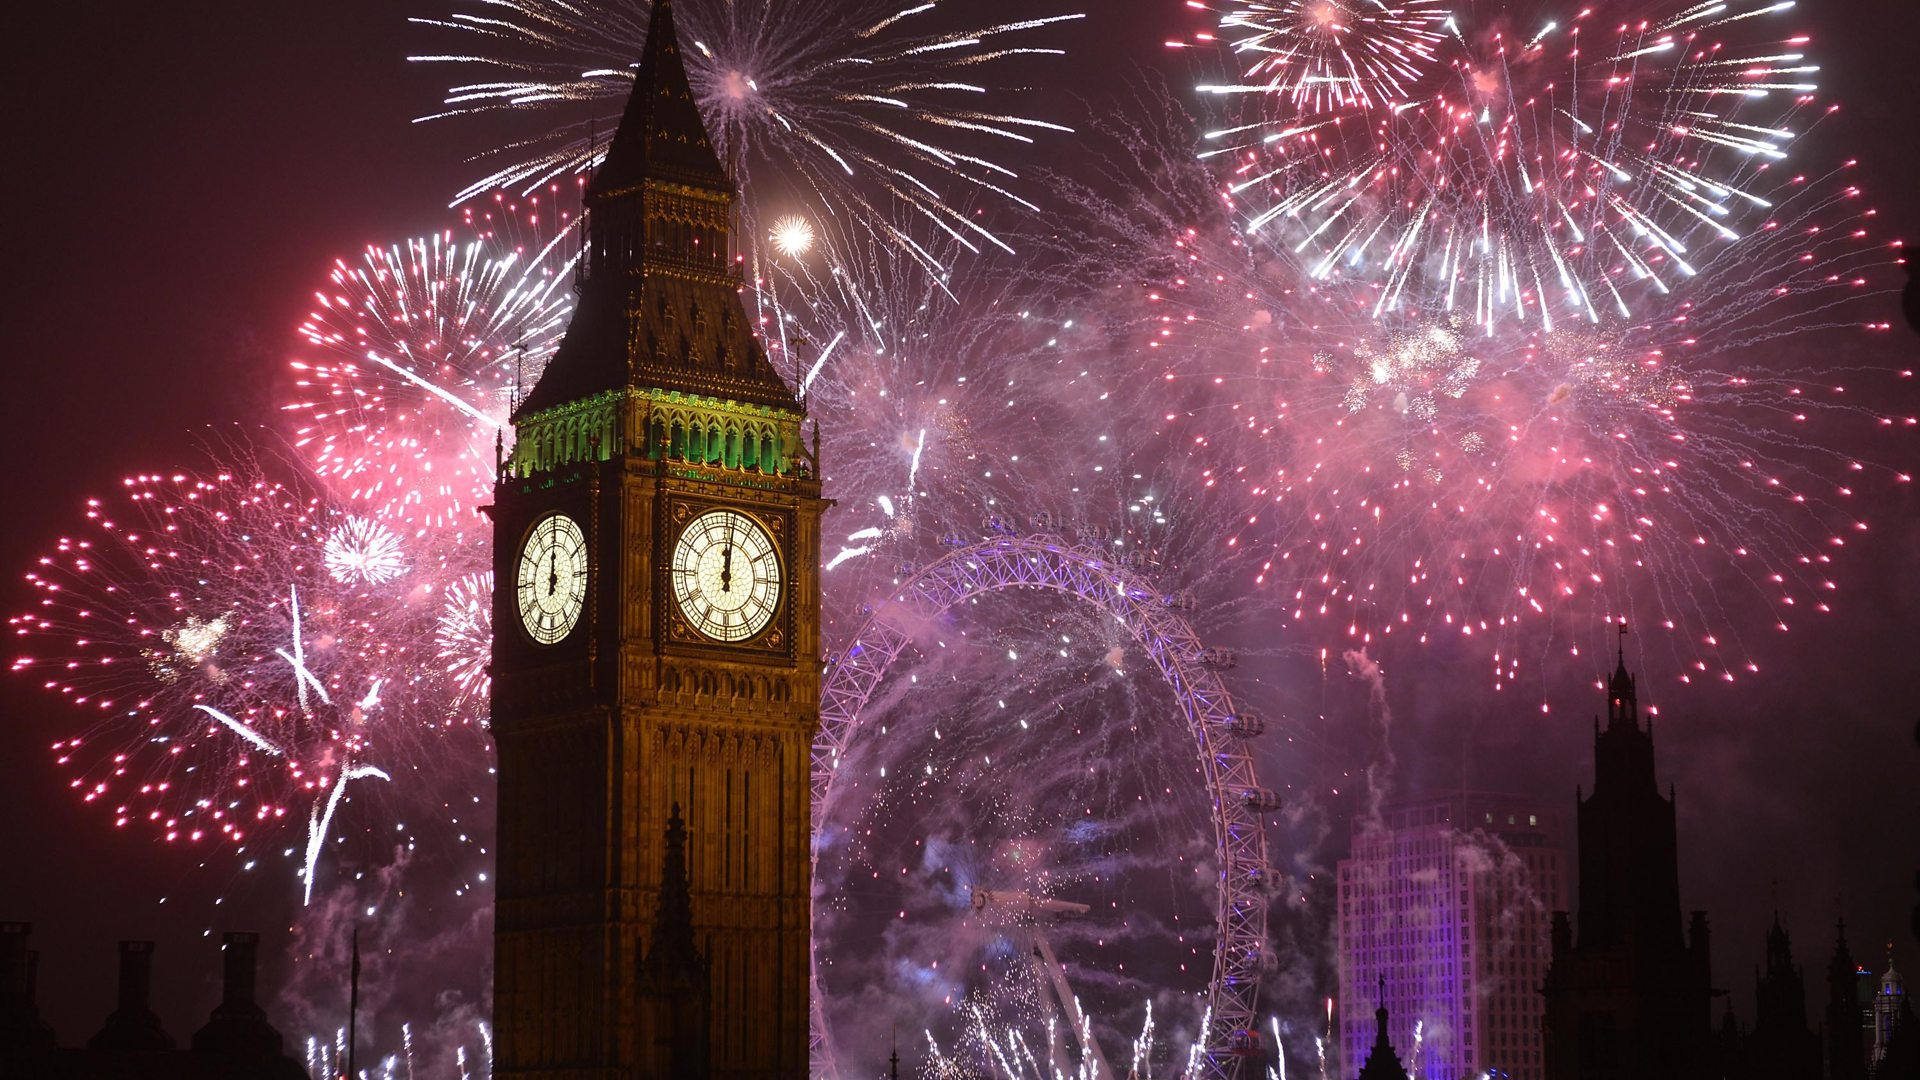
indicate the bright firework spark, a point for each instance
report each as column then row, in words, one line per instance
column 360, row 550
column 1417, row 475
column 464, row 637
column 792, row 236
column 417, row 351
column 1529, row 164
column 848, row 102
column 1330, row 55
column 231, row 676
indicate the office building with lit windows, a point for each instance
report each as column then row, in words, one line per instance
column 1448, row 900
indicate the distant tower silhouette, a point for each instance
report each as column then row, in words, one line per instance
column 1781, row 1047
column 237, row 1043
column 238, row 1024
column 673, row 987
column 1628, row 997
column 1893, row 1024
column 1845, row 1031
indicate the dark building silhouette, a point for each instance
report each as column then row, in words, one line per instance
column 1781, row 1046
column 1849, row 1019
column 674, row 990
column 1383, row 1062
column 237, row 1042
column 1628, row 998
column 133, row 1025
column 21, row 1028
column 657, row 543
column 1729, row 1046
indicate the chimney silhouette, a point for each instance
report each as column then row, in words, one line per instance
column 133, row 1025
column 239, row 1025
column 20, row 1025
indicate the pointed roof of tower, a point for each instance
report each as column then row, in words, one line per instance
column 1383, row 1061
column 1841, row 968
column 661, row 135
column 1779, row 946
column 659, row 285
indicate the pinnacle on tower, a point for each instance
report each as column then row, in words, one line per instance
column 1622, row 700
column 1383, row 1061
column 671, row 954
column 674, row 981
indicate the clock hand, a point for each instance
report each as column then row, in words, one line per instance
column 726, row 569
column 553, row 573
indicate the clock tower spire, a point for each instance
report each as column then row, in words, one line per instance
column 657, row 639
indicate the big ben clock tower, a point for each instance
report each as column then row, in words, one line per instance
column 657, row 646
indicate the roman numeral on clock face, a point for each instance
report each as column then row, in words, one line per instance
column 550, row 578
column 725, row 574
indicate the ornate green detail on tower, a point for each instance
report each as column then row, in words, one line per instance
column 660, row 424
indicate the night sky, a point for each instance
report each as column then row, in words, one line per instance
column 178, row 176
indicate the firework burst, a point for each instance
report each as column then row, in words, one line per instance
column 860, row 109
column 1517, row 161
column 1417, row 473
column 1322, row 56
column 359, row 550
column 415, row 351
column 236, row 682
column 463, row 636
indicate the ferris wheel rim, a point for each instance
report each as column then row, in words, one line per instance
column 1049, row 561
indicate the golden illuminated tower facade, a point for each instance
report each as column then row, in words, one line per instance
column 657, row 644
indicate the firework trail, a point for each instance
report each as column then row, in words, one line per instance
column 247, row 655
column 414, row 353
column 865, row 112
column 1511, row 161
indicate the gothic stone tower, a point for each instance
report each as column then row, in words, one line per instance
column 657, row 559
column 1630, row 999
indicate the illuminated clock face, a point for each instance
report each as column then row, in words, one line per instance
column 551, row 585
column 726, row 575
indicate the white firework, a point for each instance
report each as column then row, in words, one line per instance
column 464, row 639
column 362, row 550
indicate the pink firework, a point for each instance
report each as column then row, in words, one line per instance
column 1523, row 161
column 415, row 351
column 233, row 683
column 1421, row 473
column 1321, row 56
